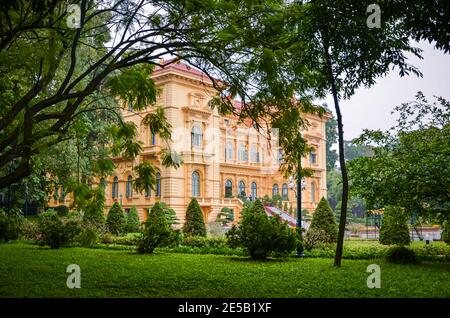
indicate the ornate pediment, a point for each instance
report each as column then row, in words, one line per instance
column 197, row 100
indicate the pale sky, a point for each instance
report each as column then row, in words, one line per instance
column 371, row 107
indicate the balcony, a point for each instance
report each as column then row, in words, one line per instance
column 153, row 150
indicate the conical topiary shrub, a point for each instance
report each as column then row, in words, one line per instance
column 116, row 221
column 194, row 224
column 394, row 227
column 133, row 223
column 325, row 221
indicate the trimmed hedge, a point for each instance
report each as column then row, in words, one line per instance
column 204, row 242
column 128, row 239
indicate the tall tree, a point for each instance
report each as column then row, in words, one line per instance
column 346, row 54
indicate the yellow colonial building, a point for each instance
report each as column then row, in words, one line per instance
column 221, row 157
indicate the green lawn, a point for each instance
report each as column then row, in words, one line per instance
column 30, row 271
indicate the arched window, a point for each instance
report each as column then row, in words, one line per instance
column 254, row 191
column 228, row 188
column 241, row 187
column 275, row 190
column 313, row 192
column 312, row 157
column 152, row 139
column 229, row 153
column 196, row 136
column 129, row 187
column 242, row 153
column 284, row 191
column 158, row 184
column 254, row 154
column 195, row 184
column 115, row 188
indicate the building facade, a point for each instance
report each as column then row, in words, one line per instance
column 222, row 158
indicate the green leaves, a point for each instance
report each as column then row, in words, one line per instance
column 324, row 220
column 158, row 124
column 260, row 235
column 134, row 86
column 409, row 166
column 103, row 167
column 146, row 176
column 125, row 144
column 171, row 158
column 194, row 224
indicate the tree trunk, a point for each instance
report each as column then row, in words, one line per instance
column 343, row 217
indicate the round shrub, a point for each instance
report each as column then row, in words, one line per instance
column 260, row 235
column 324, row 221
column 157, row 232
column 313, row 238
column 55, row 231
column 401, row 255
column 194, row 224
column 394, row 228
column 116, row 221
column 283, row 239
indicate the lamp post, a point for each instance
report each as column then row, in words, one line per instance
column 121, row 196
column 301, row 185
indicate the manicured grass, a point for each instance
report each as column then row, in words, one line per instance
column 30, row 271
